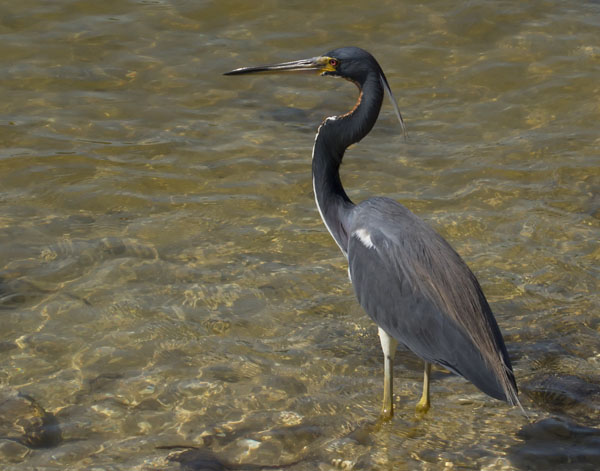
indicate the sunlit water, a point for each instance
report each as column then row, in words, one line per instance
column 165, row 279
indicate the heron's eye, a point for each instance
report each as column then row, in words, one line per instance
column 333, row 62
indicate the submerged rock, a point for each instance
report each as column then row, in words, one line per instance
column 557, row 444
column 26, row 422
column 202, row 459
column 571, row 395
column 198, row 460
column 15, row 292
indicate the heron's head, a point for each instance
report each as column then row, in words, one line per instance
column 352, row 63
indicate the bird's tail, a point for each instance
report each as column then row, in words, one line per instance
column 509, row 385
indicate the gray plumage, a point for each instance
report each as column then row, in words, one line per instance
column 419, row 290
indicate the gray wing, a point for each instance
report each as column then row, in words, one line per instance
column 417, row 288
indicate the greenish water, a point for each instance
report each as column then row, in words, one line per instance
column 165, row 278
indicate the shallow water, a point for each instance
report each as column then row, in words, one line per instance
column 165, row 278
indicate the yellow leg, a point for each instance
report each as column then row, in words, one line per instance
column 424, row 404
column 387, row 410
column 388, row 345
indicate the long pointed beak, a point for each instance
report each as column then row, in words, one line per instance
column 314, row 64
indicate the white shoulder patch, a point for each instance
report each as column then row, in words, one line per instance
column 364, row 236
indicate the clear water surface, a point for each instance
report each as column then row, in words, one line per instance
column 165, row 279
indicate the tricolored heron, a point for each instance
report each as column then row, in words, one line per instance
column 408, row 279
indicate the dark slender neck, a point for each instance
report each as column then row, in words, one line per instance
column 334, row 136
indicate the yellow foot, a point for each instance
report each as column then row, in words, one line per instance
column 387, row 413
column 422, row 408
